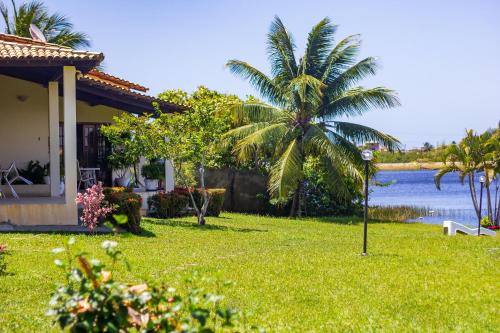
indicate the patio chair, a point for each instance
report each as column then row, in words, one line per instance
column 11, row 175
column 451, row 228
column 85, row 177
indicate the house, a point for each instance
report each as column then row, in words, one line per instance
column 53, row 100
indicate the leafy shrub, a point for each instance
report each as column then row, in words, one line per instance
column 3, row 265
column 216, row 200
column 167, row 205
column 92, row 301
column 486, row 222
column 125, row 202
column 323, row 193
column 153, row 170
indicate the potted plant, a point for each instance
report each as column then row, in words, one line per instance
column 120, row 163
column 152, row 173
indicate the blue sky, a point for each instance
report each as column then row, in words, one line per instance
column 443, row 57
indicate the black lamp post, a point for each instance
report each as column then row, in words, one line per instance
column 482, row 180
column 367, row 156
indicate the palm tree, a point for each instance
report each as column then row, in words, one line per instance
column 56, row 27
column 476, row 153
column 306, row 98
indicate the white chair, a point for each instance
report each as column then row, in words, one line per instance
column 86, row 176
column 11, row 175
column 451, row 228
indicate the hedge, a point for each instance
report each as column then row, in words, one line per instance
column 125, row 202
column 167, row 205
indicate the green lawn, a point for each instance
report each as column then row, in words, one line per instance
column 293, row 275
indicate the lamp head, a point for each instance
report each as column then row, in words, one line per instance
column 367, row 155
column 482, row 179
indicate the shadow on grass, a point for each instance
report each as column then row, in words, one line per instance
column 191, row 225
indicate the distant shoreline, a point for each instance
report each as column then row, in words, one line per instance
column 410, row 166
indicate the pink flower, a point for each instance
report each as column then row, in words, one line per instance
column 93, row 207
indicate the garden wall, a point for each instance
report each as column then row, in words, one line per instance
column 246, row 191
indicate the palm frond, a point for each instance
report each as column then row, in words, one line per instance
column 351, row 76
column 307, row 91
column 443, row 171
column 336, row 180
column 245, row 147
column 255, row 112
column 257, row 79
column 341, row 154
column 70, row 39
column 5, row 15
column 362, row 134
column 341, row 57
column 319, row 42
column 286, row 172
column 358, row 100
column 280, row 49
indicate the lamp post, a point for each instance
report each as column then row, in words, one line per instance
column 367, row 156
column 482, row 180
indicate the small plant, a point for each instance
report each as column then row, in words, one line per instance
column 94, row 206
column 153, row 170
column 486, row 222
column 3, row 264
column 34, row 172
column 92, row 301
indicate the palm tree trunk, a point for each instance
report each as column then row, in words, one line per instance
column 473, row 194
column 300, row 197
column 488, row 198
column 293, row 208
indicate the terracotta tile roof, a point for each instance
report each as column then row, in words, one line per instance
column 106, row 78
column 93, row 84
column 20, row 48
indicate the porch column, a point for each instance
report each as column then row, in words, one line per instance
column 55, row 169
column 169, row 177
column 70, row 167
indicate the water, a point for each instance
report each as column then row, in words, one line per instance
column 416, row 188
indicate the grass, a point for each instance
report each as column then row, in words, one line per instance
column 396, row 213
column 293, row 275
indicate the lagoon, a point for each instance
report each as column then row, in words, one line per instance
column 416, row 188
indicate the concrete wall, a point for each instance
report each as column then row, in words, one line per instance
column 245, row 190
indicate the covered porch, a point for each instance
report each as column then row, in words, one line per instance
column 46, row 93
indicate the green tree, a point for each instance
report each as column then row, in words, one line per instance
column 428, row 146
column 56, row 28
column 476, row 154
column 306, row 99
column 194, row 136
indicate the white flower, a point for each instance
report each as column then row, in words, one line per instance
column 58, row 250
column 71, row 241
column 107, row 244
column 58, row 262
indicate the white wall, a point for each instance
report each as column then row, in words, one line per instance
column 24, row 126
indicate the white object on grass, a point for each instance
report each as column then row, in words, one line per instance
column 451, row 228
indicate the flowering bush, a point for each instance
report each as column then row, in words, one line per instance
column 3, row 265
column 92, row 301
column 94, row 206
